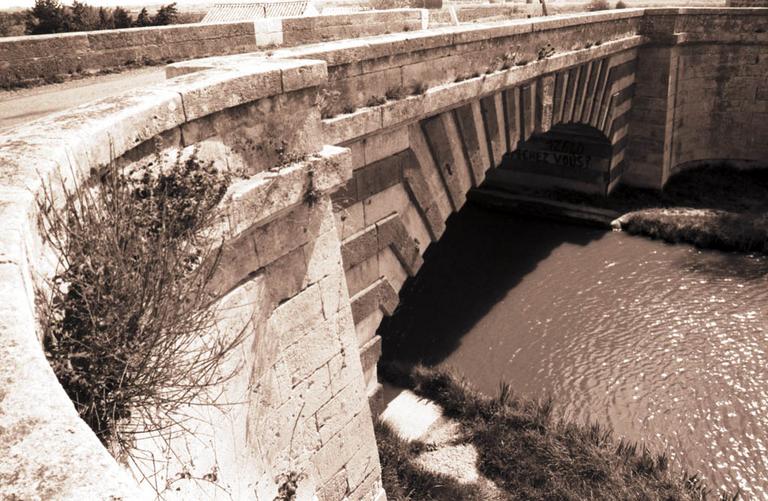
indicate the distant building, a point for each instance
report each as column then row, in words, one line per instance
column 247, row 11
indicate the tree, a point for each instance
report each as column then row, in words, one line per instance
column 83, row 17
column 106, row 22
column 11, row 24
column 143, row 19
column 122, row 18
column 47, row 16
column 167, row 14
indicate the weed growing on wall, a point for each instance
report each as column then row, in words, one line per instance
column 545, row 51
column 129, row 327
column 326, row 101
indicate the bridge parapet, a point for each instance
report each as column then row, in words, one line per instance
column 301, row 403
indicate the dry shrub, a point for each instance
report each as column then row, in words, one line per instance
column 130, row 325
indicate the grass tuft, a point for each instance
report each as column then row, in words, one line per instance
column 532, row 454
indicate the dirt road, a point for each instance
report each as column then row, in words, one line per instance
column 25, row 105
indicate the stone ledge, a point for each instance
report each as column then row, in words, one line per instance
column 348, row 51
column 363, row 122
column 720, row 38
column 295, row 74
column 48, row 451
column 69, row 144
column 256, row 200
column 738, row 11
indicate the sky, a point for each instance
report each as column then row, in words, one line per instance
column 7, row 4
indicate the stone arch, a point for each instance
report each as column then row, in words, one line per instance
column 409, row 179
column 571, row 156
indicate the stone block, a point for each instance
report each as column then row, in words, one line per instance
column 369, row 489
column 286, row 275
column 391, row 268
column 420, row 194
column 359, row 247
column 312, row 350
column 213, row 90
column 303, row 73
column 349, row 126
column 528, row 113
column 239, row 259
column 346, row 195
column 323, row 257
column 416, row 226
column 370, row 353
column 380, row 294
column 345, row 367
column 363, row 464
column 349, row 220
column 334, row 488
column 445, row 145
column 337, row 452
column 470, row 122
column 292, row 318
column 378, row 176
column 366, row 328
column 427, row 166
column 334, row 293
column 386, row 144
column 339, row 410
column 362, row 274
column 493, row 117
column 392, row 232
column 284, row 234
column 389, row 201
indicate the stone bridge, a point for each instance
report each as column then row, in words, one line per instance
column 354, row 154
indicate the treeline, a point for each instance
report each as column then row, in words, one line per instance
column 50, row 16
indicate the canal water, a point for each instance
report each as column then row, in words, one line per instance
column 666, row 343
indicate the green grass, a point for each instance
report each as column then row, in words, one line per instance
column 533, row 455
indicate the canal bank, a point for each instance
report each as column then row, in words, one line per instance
column 710, row 206
column 664, row 343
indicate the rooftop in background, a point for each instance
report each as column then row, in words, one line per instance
column 245, row 11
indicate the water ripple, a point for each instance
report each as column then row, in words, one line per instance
column 666, row 343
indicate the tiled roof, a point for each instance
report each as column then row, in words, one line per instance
column 247, row 11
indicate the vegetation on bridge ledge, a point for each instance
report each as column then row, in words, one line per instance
column 528, row 452
column 129, row 323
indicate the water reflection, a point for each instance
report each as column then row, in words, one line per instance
column 663, row 342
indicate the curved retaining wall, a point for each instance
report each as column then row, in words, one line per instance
column 311, row 277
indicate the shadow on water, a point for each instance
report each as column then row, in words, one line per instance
column 480, row 258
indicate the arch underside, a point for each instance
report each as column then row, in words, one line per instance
column 408, row 181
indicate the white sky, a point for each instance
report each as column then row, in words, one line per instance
column 6, row 4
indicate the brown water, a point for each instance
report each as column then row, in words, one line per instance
column 665, row 343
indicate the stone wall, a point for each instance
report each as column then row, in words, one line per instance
column 701, row 94
column 41, row 58
column 291, row 31
column 747, row 3
column 416, row 157
column 297, row 405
